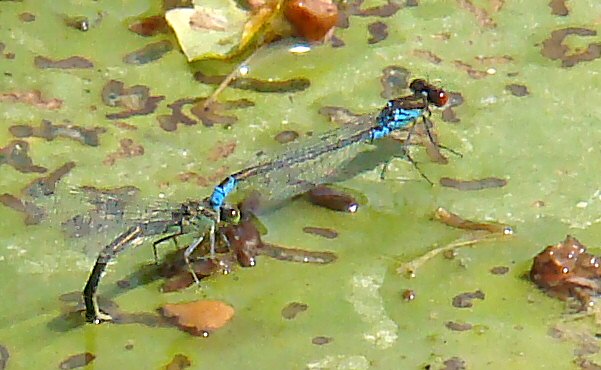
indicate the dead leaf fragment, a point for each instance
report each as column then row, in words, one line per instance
column 312, row 19
column 199, row 317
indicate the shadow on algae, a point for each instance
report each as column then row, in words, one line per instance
column 100, row 121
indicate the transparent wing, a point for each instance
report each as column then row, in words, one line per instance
column 286, row 176
column 90, row 218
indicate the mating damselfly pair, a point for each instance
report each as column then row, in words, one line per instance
column 281, row 176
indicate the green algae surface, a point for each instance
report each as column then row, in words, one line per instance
column 545, row 142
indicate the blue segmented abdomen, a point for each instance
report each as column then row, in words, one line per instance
column 221, row 191
column 315, row 161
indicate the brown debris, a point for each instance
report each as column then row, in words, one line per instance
column 125, row 126
column 33, row 98
column 47, row 130
column 559, row 8
column 320, row 341
column 75, row 62
column 78, row 22
column 408, row 295
column 465, row 300
column 150, row 26
column 245, row 241
column 454, row 220
column 321, row 231
column 336, row 42
column 383, row 11
column 350, row 8
column 214, row 112
column 136, row 100
column 553, row 47
column 253, row 84
column 454, row 363
column 172, row 4
column 330, row 198
column 178, row 274
column 27, row 17
column 427, row 55
column 378, row 32
column 292, row 310
column 566, row 270
column 149, row 53
column 458, row 326
column 471, row 71
column 499, row 270
column 312, row 19
column 128, row 149
column 473, row 185
column 296, row 254
column 481, row 15
column 199, row 317
column 517, row 90
column 481, row 232
column 169, row 122
column 76, row 361
column 244, row 244
column 284, row 137
column 15, row 155
column 449, row 115
column 493, row 60
column 178, row 362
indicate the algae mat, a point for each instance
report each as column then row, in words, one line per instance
column 106, row 108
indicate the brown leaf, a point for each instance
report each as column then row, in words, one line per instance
column 199, row 317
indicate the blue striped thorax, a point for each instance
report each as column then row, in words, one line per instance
column 395, row 116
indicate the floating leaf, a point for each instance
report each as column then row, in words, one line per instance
column 213, row 30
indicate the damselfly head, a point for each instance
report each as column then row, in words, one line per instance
column 230, row 214
column 438, row 97
column 419, row 86
column 431, row 93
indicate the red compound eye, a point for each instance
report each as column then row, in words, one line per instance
column 442, row 99
column 437, row 97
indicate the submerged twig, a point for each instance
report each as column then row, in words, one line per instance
column 237, row 72
column 484, row 232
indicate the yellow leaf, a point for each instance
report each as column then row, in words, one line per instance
column 210, row 31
